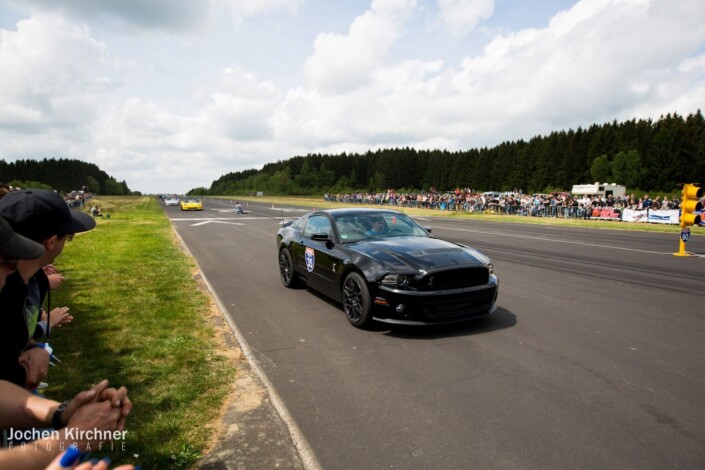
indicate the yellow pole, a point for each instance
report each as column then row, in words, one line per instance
column 681, row 244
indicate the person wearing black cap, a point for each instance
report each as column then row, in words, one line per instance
column 45, row 218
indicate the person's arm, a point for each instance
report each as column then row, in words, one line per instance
column 36, row 363
column 20, row 408
column 100, row 408
column 98, row 416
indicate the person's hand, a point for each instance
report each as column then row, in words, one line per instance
column 36, row 362
column 55, row 280
column 60, row 316
column 101, row 392
column 70, row 459
column 49, row 269
column 94, row 416
column 119, row 399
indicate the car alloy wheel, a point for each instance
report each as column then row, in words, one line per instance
column 356, row 301
column 286, row 268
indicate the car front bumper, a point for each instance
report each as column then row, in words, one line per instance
column 406, row 307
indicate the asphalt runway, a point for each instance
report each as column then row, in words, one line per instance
column 594, row 359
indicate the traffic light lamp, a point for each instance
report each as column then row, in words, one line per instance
column 691, row 203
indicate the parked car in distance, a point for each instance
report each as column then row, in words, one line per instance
column 382, row 265
column 492, row 195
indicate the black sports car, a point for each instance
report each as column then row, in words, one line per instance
column 382, row 265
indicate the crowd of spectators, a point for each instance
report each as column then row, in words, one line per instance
column 557, row 204
column 77, row 199
column 35, row 226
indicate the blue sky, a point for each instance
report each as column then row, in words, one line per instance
column 169, row 95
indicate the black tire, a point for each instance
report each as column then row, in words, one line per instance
column 286, row 269
column 357, row 303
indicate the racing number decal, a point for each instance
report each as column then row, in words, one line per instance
column 310, row 259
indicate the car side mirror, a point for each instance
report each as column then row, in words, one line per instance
column 321, row 237
column 287, row 223
column 428, row 229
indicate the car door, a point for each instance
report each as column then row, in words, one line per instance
column 316, row 259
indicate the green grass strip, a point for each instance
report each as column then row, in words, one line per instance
column 141, row 320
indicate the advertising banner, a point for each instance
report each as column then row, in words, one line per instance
column 670, row 216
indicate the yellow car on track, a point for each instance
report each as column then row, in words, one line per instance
column 191, row 204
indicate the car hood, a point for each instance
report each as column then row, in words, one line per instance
column 419, row 253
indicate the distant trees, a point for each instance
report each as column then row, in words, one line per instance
column 639, row 154
column 626, row 167
column 63, row 175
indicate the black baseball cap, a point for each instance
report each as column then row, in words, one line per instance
column 14, row 246
column 39, row 214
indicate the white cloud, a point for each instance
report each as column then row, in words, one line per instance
column 165, row 15
column 584, row 66
column 47, row 81
column 342, row 63
column 246, row 8
column 188, row 111
column 242, row 106
column 161, row 14
column 461, row 16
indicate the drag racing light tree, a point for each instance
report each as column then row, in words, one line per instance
column 690, row 204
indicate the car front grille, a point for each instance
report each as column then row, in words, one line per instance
column 453, row 279
column 464, row 305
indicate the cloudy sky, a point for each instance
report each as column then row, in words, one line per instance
column 169, row 95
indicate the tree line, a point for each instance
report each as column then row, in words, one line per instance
column 640, row 154
column 62, row 175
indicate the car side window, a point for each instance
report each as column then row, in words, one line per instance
column 299, row 225
column 317, row 224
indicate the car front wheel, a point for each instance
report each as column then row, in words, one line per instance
column 286, row 268
column 356, row 301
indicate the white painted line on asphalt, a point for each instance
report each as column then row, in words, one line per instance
column 215, row 222
column 219, row 218
column 288, row 209
column 529, row 237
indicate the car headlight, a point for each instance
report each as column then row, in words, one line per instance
column 490, row 268
column 395, row 279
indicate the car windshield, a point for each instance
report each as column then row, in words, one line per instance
column 355, row 227
column 192, row 201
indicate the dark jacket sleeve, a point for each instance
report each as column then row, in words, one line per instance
column 11, row 370
column 13, row 334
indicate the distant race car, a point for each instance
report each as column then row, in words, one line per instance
column 191, row 204
column 381, row 265
column 171, row 201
